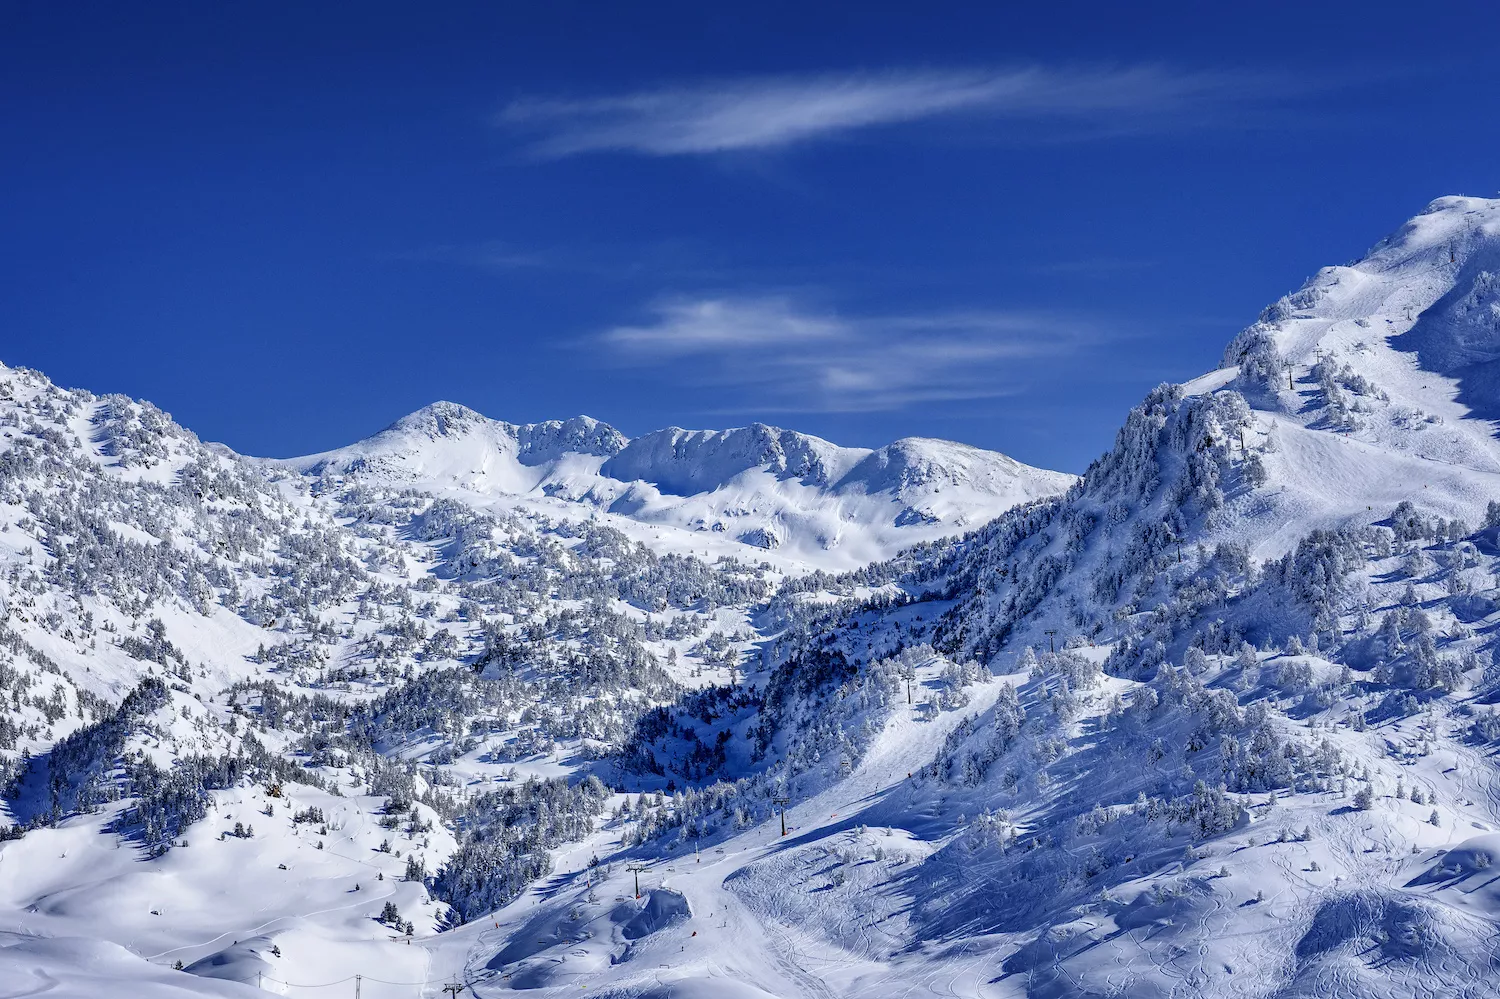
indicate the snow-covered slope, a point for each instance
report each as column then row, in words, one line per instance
column 448, row 443
column 1325, row 417
column 446, row 440
column 760, row 486
column 1374, row 382
column 246, row 704
column 1265, row 763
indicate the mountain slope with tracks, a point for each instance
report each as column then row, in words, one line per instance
column 1219, row 718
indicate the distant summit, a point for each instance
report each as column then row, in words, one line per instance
column 766, row 486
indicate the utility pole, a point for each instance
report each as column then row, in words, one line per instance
column 636, row 869
column 1051, row 644
column 782, row 803
column 453, row 989
column 1289, row 386
column 356, row 986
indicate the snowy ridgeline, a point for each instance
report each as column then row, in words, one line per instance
column 759, row 488
column 1218, row 719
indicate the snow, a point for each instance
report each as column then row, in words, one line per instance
column 1262, row 762
column 1418, row 327
column 734, row 492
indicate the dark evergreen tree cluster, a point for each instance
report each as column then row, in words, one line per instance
column 504, row 836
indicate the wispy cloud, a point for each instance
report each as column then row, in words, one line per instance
column 794, row 358
column 769, row 112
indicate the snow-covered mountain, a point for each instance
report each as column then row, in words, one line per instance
column 446, row 441
column 1277, row 597
column 496, row 705
column 1325, row 416
column 760, row 486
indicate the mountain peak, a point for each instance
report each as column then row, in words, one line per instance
column 452, row 441
column 752, row 483
column 439, row 419
column 552, row 439
column 689, row 461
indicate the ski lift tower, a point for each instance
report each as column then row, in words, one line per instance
column 781, row 803
column 636, row 869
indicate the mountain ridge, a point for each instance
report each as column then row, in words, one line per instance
column 763, row 485
column 1218, row 718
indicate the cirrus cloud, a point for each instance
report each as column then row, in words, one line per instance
column 791, row 357
column 776, row 111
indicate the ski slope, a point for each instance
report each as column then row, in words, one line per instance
column 1217, row 719
column 723, row 909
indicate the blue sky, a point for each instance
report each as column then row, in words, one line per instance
column 289, row 224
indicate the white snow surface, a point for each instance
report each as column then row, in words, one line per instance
column 1419, row 318
column 935, row 845
column 810, row 501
